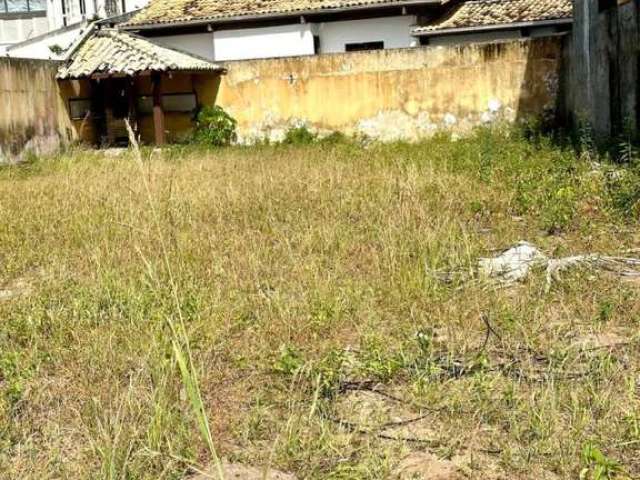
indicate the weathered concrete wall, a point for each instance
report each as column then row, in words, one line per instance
column 33, row 115
column 395, row 94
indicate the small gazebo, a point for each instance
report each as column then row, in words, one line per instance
column 113, row 76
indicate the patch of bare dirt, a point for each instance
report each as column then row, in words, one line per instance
column 426, row 466
column 236, row 471
column 21, row 286
column 383, row 415
column 14, row 290
column 602, row 340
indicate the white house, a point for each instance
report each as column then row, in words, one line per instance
column 45, row 29
column 225, row 30
column 242, row 29
column 21, row 19
column 246, row 29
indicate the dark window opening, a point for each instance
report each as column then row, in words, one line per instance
column 316, row 44
column 171, row 103
column 361, row 47
column 606, row 4
column 83, row 7
column 111, row 8
column 64, row 12
column 120, row 101
column 83, row 108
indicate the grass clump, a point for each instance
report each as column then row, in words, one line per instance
column 299, row 136
column 281, row 298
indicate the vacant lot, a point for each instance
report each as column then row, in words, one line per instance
column 325, row 337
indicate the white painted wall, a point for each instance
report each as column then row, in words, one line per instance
column 94, row 8
column 17, row 39
column 40, row 47
column 17, row 30
column 267, row 42
column 196, row 43
column 395, row 32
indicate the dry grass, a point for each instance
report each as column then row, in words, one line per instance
column 301, row 279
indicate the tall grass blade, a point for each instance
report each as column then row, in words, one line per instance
column 179, row 337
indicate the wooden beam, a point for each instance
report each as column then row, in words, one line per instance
column 133, row 106
column 109, row 117
column 158, row 112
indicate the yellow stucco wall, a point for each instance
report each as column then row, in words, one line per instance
column 83, row 129
column 389, row 94
column 392, row 94
column 33, row 115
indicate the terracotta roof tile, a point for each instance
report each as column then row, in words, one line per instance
column 113, row 52
column 480, row 13
column 177, row 11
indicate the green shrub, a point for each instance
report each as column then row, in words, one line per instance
column 299, row 136
column 215, row 127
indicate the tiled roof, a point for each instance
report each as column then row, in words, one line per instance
column 113, row 52
column 484, row 13
column 177, row 11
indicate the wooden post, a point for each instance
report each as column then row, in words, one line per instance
column 603, row 82
column 158, row 112
column 109, row 117
column 133, row 110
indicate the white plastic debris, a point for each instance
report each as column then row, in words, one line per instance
column 513, row 265
column 450, row 119
column 495, row 105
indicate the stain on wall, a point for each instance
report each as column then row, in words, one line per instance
column 394, row 94
column 33, row 115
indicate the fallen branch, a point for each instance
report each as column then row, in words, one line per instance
column 515, row 265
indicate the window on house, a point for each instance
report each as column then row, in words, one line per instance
column 111, row 8
column 316, row 44
column 37, row 5
column 359, row 47
column 64, row 12
column 83, row 7
column 17, row 6
column 171, row 103
column 79, row 108
column 22, row 6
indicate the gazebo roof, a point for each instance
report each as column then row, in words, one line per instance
column 111, row 52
